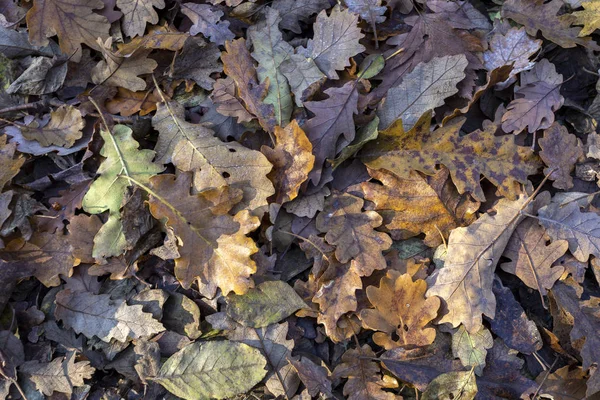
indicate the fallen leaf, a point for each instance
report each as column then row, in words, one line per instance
column 467, row 157
column 293, row 12
column 315, row 377
column 303, row 75
column 99, row 315
column 292, row 160
column 197, row 61
column 580, row 230
column 238, row 65
column 471, row 348
column 419, row 204
column 364, row 381
column 536, row 99
column 588, row 17
column 400, row 309
column 63, row 129
column 192, row 147
column 207, row 21
column 353, row 233
column 136, row 13
column 73, row 21
column 158, row 37
column 128, row 103
column 532, row 259
column 465, row 282
column 59, row 375
column 268, row 303
column 210, row 240
column 182, row 315
column 452, row 385
column 336, row 39
column 9, row 163
column 560, row 151
column 44, row 75
column 423, row 89
column 202, row 371
column 270, row 51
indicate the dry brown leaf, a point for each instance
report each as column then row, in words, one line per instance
column 136, row 13
column 467, row 157
column 532, row 258
column 158, row 37
column 63, row 129
column 419, row 204
column 59, row 375
column 213, row 245
column 402, row 309
column 364, row 380
column 238, row 64
column 207, row 21
column 353, row 233
column 9, row 164
column 292, row 160
column 128, row 103
column 560, row 151
column 73, row 21
column 119, row 71
column 465, row 282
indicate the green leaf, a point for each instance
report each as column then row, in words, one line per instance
column 123, row 159
column 270, row 50
column 212, row 370
column 472, row 348
column 268, row 303
column 452, row 385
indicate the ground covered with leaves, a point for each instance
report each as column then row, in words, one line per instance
column 362, row 199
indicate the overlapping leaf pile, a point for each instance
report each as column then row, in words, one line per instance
column 363, row 199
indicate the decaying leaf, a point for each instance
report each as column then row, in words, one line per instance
column 136, row 13
column 213, row 245
column 212, row 370
column 315, row 377
column 59, row 375
column 293, row 12
column 467, row 157
column 560, row 151
column 99, row 315
column 207, row 21
column 580, row 230
column 472, row 348
column 532, row 259
column 73, row 21
column 465, row 282
column 400, row 308
column 9, row 163
column 588, row 17
column 419, row 204
column 424, row 89
column 364, row 381
column 353, row 233
column 334, row 42
column 292, row 160
column 63, row 129
column 452, row 385
column 268, row 303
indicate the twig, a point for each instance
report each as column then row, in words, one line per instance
column 535, row 395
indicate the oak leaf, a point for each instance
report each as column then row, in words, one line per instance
column 59, row 375
column 334, row 117
column 207, row 21
column 292, row 160
column 419, row 204
column 119, row 71
column 303, row 75
column 471, row 348
column 513, row 47
column 270, row 50
column 9, row 163
column 353, row 233
column 49, row 254
column 581, row 230
column 267, row 304
column 560, row 151
column 423, row 89
column 537, row 15
column 369, row 10
column 213, row 245
column 192, row 147
column 315, row 377
column 293, row 12
column 136, row 13
column 108, row 319
column 128, row 103
column 364, row 381
column 532, row 259
column 217, row 369
column 589, row 17
column 452, row 385
column 401, row 309
column 44, row 75
column 73, row 21
column 536, row 100
column 197, row 61
column 465, row 281
column 63, row 129
column 238, row 65
column 158, row 37
column 336, row 39
column 467, row 157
